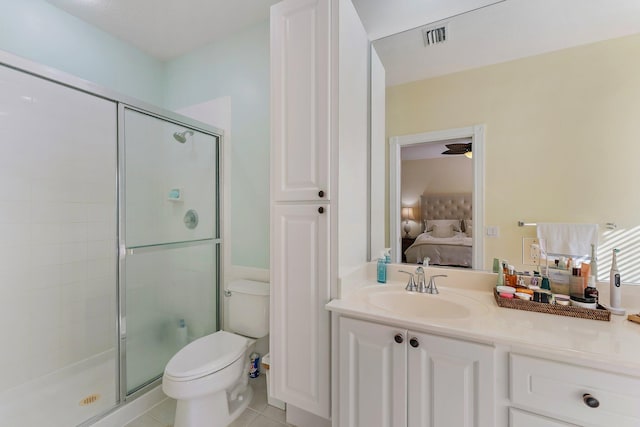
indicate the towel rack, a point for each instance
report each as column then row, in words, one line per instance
column 608, row 225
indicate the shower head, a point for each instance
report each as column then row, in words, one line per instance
column 181, row 137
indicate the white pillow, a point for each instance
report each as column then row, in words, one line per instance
column 454, row 222
column 469, row 231
column 442, row 231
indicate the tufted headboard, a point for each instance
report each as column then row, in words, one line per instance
column 446, row 206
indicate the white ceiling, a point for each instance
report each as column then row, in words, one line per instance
column 382, row 18
column 429, row 150
column 166, row 29
column 490, row 33
column 506, row 31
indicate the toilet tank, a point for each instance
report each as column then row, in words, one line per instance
column 248, row 307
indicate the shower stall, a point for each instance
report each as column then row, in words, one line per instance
column 110, row 249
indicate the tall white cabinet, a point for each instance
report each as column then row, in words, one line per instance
column 301, row 203
column 319, row 96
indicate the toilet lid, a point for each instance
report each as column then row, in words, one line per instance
column 206, row 355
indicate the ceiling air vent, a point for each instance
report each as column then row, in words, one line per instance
column 435, row 35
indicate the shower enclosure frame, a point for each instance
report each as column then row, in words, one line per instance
column 123, row 251
column 123, row 102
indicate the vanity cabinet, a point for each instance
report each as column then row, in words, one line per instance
column 569, row 393
column 394, row 377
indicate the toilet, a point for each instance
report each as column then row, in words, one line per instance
column 209, row 376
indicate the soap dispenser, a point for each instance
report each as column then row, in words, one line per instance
column 382, row 268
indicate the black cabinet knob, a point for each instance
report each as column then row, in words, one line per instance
column 590, row 401
column 398, row 338
column 320, row 193
column 321, row 209
column 414, row 342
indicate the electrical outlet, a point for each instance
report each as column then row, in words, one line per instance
column 531, row 252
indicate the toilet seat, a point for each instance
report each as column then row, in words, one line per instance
column 205, row 356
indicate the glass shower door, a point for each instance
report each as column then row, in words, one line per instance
column 171, row 237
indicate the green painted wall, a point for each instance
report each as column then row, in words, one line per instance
column 237, row 67
column 40, row 32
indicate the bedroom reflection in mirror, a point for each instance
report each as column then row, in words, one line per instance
column 438, row 187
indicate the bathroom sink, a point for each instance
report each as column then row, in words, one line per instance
column 446, row 305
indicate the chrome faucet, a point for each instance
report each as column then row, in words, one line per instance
column 431, row 287
column 411, row 284
column 421, row 285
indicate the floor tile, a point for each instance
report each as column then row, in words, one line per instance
column 147, row 421
column 275, row 414
column 165, row 412
column 262, row 421
column 245, row 419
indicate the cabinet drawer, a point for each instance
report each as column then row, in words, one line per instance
column 556, row 389
column 526, row 419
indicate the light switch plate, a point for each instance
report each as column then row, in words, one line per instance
column 493, row 231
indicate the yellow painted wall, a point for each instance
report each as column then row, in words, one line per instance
column 562, row 140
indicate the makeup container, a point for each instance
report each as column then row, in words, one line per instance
column 559, row 281
column 543, row 296
column 584, row 302
column 576, row 284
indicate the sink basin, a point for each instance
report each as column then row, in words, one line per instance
column 446, row 305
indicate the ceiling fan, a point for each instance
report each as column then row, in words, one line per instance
column 455, row 149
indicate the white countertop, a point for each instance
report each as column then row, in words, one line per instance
column 615, row 343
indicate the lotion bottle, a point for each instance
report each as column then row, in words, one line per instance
column 615, row 296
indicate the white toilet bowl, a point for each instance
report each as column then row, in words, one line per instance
column 209, row 377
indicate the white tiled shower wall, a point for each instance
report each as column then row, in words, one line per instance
column 57, row 227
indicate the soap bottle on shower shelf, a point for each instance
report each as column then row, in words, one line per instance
column 181, row 334
column 614, row 287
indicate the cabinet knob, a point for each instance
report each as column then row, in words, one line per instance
column 320, row 193
column 590, row 401
column 414, row 342
column 399, row 338
column 320, row 209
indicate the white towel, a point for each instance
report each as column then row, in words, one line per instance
column 568, row 239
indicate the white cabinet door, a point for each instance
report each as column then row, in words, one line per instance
column 300, row 351
column 372, row 372
column 451, row 382
column 300, row 100
column 526, row 419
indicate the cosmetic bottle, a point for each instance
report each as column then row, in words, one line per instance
column 591, row 291
column 500, row 277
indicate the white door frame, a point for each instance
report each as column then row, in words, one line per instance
column 476, row 133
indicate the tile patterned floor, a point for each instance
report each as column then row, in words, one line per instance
column 258, row 414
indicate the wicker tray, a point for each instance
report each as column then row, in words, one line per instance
column 561, row 310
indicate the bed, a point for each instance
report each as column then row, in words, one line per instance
column 448, row 231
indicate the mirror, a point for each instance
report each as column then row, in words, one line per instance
column 555, row 84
